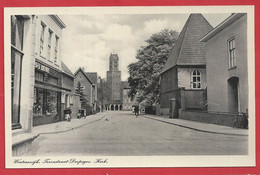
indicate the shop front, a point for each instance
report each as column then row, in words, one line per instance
column 47, row 95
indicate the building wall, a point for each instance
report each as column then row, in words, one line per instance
column 168, row 87
column 76, row 106
column 67, row 95
column 218, row 71
column 67, row 82
column 114, row 83
column 27, row 76
column 52, row 25
column 80, row 77
column 185, row 77
column 127, row 103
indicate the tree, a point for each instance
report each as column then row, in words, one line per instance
column 79, row 91
column 145, row 73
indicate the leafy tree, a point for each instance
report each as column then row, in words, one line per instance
column 145, row 73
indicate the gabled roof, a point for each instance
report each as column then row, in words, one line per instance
column 92, row 76
column 84, row 73
column 232, row 18
column 189, row 50
column 66, row 70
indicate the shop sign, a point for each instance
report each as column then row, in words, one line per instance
column 42, row 67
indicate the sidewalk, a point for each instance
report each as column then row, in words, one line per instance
column 201, row 127
column 64, row 126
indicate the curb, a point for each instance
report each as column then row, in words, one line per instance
column 70, row 129
column 195, row 129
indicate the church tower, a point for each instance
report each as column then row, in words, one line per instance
column 114, row 79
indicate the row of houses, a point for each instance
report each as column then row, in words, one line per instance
column 43, row 87
column 207, row 71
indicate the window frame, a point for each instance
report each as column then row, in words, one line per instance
column 196, row 76
column 49, row 43
column 56, row 49
column 16, row 68
column 231, row 44
column 43, row 26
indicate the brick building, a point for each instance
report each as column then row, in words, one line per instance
column 186, row 68
column 83, row 85
column 114, row 84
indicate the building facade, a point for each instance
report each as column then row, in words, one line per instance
column 183, row 77
column 226, row 59
column 35, row 55
column 93, row 76
column 85, row 89
column 67, row 93
column 114, row 83
column 127, row 102
column 48, row 72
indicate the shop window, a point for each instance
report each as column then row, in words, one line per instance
column 45, row 102
column 52, row 104
column 231, row 53
column 38, row 101
column 17, row 26
column 196, row 80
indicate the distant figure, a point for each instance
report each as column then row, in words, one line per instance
column 136, row 111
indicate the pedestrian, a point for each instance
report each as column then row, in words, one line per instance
column 136, row 110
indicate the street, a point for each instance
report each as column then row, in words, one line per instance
column 120, row 133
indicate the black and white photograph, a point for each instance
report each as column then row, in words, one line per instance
column 129, row 87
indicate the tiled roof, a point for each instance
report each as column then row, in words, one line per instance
column 84, row 73
column 189, row 50
column 92, row 76
column 65, row 69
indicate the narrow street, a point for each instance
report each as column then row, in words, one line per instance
column 121, row 133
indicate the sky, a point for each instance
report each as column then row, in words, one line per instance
column 88, row 40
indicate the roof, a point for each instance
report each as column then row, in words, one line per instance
column 232, row 18
column 92, row 76
column 84, row 73
column 189, row 50
column 58, row 21
column 66, row 70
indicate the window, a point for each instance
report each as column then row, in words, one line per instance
column 42, row 37
column 56, row 49
column 231, row 53
column 17, row 26
column 38, row 101
column 49, row 44
column 196, row 80
column 45, row 102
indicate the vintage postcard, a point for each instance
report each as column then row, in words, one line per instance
column 129, row 87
